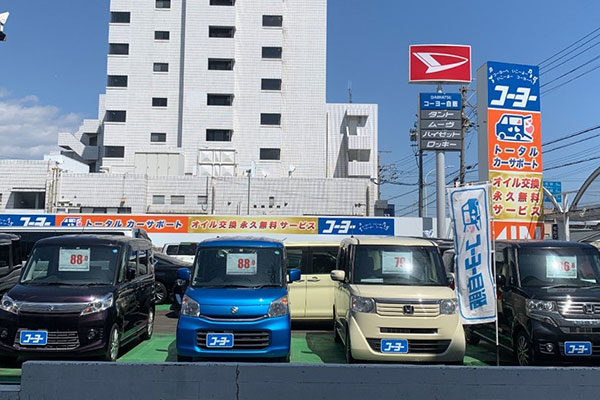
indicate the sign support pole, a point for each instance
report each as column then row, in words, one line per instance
column 440, row 165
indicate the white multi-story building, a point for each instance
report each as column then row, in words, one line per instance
column 220, row 88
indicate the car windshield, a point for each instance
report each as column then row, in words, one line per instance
column 187, row 249
column 398, row 265
column 71, row 265
column 546, row 267
column 238, row 267
column 4, row 255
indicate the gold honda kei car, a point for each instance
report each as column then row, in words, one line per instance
column 393, row 302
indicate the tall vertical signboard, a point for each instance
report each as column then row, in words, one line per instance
column 510, row 147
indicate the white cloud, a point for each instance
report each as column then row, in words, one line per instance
column 28, row 130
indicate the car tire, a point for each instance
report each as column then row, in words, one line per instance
column 161, row 294
column 470, row 337
column 523, row 349
column 113, row 344
column 184, row 358
column 336, row 334
column 284, row 359
column 147, row 335
column 349, row 358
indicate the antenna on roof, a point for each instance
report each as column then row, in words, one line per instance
column 350, row 92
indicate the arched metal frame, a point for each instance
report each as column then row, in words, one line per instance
column 573, row 208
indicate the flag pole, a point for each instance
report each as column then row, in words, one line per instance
column 495, row 283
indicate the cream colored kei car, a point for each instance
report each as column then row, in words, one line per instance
column 393, row 302
column 311, row 298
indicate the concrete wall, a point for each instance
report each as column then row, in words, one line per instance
column 75, row 380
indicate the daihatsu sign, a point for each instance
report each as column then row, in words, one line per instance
column 439, row 63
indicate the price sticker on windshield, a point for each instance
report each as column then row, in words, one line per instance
column 564, row 267
column 241, row 264
column 396, row 263
column 77, row 260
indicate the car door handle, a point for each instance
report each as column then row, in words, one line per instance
column 314, row 280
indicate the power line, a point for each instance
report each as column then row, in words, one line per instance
column 571, row 58
column 568, row 47
column 571, row 71
column 572, row 163
column 570, row 80
column 572, row 135
column 571, row 144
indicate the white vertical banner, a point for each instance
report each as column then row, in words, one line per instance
column 475, row 289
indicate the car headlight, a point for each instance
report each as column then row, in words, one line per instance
column 541, row 305
column 448, row 306
column 9, row 305
column 279, row 307
column 362, row 304
column 190, row 307
column 97, row 305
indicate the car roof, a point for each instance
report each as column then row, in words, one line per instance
column 8, row 238
column 543, row 244
column 90, row 240
column 389, row 241
column 171, row 260
column 241, row 241
column 313, row 243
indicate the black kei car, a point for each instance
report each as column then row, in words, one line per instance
column 10, row 261
column 548, row 302
column 79, row 296
column 165, row 271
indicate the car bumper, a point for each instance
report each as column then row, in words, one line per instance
column 544, row 334
column 189, row 329
column 448, row 344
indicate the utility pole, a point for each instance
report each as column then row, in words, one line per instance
column 463, row 132
column 420, row 182
column 249, row 172
column 440, row 187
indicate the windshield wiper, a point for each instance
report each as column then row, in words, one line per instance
column 42, row 283
column 266, row 286
column 225, row 285
column 562, row 285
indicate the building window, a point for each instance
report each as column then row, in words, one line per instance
column 163, row 3
column 271, row 52
column 0, row 198
column 219, row 135
column 221, row 31
column 161, row 35
column 220, row 64
column 359, row 155
column 270, row 119
column 222, row 2
column 202, row 200
column 219, row 99
column 115, row 116
column 159, row 102
column 272, row 20
column 92, row 139
column 158, row 199
column 29, row 200
column 271, row 84
column 270, row 154
column 158, row 137
column 161, row 67
column 118, row 48
column 116, row 81
column 120, row 17
column 114, row 151
column 177, row 199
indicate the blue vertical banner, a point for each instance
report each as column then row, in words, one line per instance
column 472, row 241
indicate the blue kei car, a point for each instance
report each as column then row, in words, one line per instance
column 236, row 304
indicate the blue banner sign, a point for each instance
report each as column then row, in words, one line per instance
column 440, row 101
column 356, row 226
column 26, row 220
column 555, row 188
column 513, row 86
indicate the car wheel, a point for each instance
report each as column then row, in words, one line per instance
column 113, row 344
column 523, row 349
column 149, row 325
column 470, row 337
column 161, row 294
column 184, row 358
column 349, row 358
column 502, row 136
column 336, row 334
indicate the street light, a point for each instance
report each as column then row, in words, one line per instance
column 425, row 187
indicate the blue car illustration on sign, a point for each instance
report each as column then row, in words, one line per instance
column 515, row 128
column 471, row 215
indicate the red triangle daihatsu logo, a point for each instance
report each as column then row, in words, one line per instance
column 437, row 62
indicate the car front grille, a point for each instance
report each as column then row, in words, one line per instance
column 417, row 346
column 580, row 309
column 595, row 349
column 58, row 340
column 242, row 340
column 404, row 309
column 414, row 331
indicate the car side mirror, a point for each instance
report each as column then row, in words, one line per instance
column 183, row 274
column 338, row 275
column 451, row 281
column 501, row 280
column 294, row 275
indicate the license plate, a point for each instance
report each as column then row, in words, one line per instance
column 578, row 348
column 219, row 340
column 33, row 338
column 394, row 346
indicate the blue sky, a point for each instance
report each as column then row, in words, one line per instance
column 53, row 67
